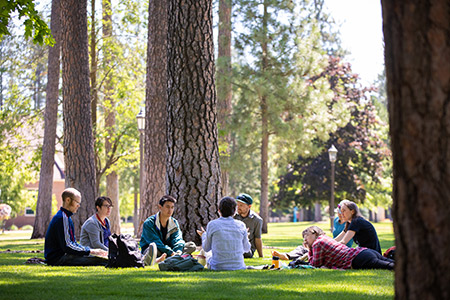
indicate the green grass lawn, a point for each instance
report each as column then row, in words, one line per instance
column 21, row 281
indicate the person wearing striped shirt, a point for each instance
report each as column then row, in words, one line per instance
column 61, row 247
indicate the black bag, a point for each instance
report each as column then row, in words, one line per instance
column 124, row 252
column 297, row 262
column 180, row 263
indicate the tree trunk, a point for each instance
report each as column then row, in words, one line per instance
column 78, row 140
column 317, row 212
column 93, row 71
column 224, row 88
column 155, row 111
column 112, row 191
column 136, row 222
column 417, row 36
column 112, row 179
column 264, row 203
column 44, row 202
column 193, row 171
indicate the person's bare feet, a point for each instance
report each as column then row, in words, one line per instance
column 281, row 255
column 161, row 258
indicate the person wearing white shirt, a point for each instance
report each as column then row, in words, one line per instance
column 225, row 239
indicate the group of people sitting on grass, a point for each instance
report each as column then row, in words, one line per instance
column 225, row 242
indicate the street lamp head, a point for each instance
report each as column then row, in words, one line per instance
column 332, row 152
column 141, row 120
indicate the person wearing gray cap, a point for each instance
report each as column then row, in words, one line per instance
column 252, row 221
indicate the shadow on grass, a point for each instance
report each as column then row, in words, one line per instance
column 42, row 282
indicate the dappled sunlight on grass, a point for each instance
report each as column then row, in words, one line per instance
column 21, row 281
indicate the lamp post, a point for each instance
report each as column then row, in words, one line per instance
column 332, row 153
column 141, row 127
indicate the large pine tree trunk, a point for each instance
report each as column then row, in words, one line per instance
column 155, row 111
column 44, row 202
column 193, row 160
column 417, row 36
column 93, row 71
column 264, row 203
column 112, row 179
column 78, row 140
column 224, row 88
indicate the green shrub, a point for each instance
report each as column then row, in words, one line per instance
column 27, row 227
column 13, row 227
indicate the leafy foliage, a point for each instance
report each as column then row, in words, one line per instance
column 20, row 117
column 126, row 72
column 297, row 111
column 35, row 27
column 363, row 157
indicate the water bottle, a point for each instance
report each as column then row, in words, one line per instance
column 276, row 262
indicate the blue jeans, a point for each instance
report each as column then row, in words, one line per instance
column 371, row 259
column 75, row 260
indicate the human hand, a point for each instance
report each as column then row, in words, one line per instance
column 306, row 245
column 201, row 232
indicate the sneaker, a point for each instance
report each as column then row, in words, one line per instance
column 150, row 255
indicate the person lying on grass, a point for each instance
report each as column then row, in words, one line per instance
column 299, row 253
column 225, row 239
column 323, row 251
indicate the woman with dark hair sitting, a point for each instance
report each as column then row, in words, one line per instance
column 358, row 228
column 327, row 252
column 96, row 230
column 226, row 239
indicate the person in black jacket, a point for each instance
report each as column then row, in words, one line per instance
column 61, row 247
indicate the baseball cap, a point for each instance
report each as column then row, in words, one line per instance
column 244, row 198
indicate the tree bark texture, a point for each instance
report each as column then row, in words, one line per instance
column 78, row 140
column 93, row 71
column 193, row 172
column 317, row 212
column 155, row 149
column 44, row 202
column 264, row 203
column 224, row 88
column 112, row 179
column 417, row 52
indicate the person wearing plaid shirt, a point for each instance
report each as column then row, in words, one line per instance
column 326, row 252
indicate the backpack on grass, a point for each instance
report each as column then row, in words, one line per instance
column 390, row 253
column 124, row 252
column 180, row 263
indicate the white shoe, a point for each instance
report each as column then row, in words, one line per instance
column 150, row 255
